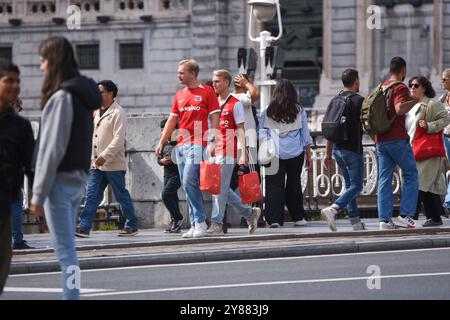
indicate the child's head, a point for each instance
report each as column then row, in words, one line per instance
column 163, row 124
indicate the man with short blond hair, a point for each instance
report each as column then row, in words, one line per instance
column 191, row 66
column 192, row 108
column 231, row 128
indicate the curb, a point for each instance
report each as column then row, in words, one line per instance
column 237, row 254
column 227, row 239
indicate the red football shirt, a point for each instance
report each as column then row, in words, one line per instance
column 193, row 108
column 400, row 94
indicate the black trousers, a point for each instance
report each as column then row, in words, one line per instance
column 432, row 205
column 284, row 188
column 5, row 248
column 170, row 196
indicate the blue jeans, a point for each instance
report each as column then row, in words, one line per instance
column 97, row 183
column 61, row 208
column 17, row 209
column 390, row 154
column 227, row 195
column 352, row 166
column 189, row 157
column 170, row 196
column 447, row 147
column 447, row 150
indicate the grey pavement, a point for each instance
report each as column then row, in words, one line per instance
column 151, row 247
column 405, row 275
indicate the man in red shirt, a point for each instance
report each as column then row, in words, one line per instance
column 192, row 108
column 232, row 120
column 393, row 149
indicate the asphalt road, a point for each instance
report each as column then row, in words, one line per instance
column 404, row 275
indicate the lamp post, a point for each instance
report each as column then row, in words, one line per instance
column 264, row 11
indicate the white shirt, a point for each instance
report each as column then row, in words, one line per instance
column 410, row 122
column 250, row 124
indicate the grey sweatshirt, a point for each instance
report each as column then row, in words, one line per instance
column 56, row 124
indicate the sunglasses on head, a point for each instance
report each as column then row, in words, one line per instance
column 414, row 85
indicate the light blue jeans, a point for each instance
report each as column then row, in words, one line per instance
column 352, row 166
column 390, row 154
column 227, row 195
column 17, row 209
column 189, row 157
column 61, row 208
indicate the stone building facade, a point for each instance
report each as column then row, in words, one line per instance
column 136, row 43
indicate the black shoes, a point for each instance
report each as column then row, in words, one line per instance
column 80, row 233
column 174, row 227
column 22, row 246
column 430, row 224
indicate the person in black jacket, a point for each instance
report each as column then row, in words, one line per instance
column 349, row 157
column 171, row 185
column 64, row 152
column 16, row 150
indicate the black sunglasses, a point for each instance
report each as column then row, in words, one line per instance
column 414, row 85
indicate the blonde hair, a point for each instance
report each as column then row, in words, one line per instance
column 224, row 74
column 447, row 73
column 191, row 65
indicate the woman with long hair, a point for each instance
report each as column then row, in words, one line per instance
column 285, row 123
column 63, row 152
column 430, row 115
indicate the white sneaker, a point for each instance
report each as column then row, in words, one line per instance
column 329, row 215
column 301, row 223
column 214, row 230
column 405, row 223
column 387, row 225
column 253, row 220
column 200, row 230
column 189, row 234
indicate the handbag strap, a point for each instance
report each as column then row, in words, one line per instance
column 426, row 111
column 251, row 164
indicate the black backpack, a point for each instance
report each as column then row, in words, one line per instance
column 11, row 172
column 336, row 123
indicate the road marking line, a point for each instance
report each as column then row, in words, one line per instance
column 232, row 261
column 258, row 284
column 50, row 290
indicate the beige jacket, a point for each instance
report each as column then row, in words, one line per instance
column 108, row 139
column 432, row 171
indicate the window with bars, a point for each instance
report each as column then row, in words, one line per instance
column 131, row 56
column 88, row 56
column 6, row 53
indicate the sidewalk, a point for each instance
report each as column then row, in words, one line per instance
column 105, row 250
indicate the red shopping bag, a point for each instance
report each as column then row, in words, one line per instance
column 426, row 146
column 210, row 177
column 250, row 188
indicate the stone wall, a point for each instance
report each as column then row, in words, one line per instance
column 145, row 177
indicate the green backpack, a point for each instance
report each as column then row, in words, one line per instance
column 375, row 110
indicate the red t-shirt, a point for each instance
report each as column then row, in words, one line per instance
column 227, row 144
column 400, row 94
column 193, row 107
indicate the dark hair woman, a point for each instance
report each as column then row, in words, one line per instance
column 430, row 115
column 64, row 151
column 285, row 125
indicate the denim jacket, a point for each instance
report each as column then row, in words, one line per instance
column 289, row 145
